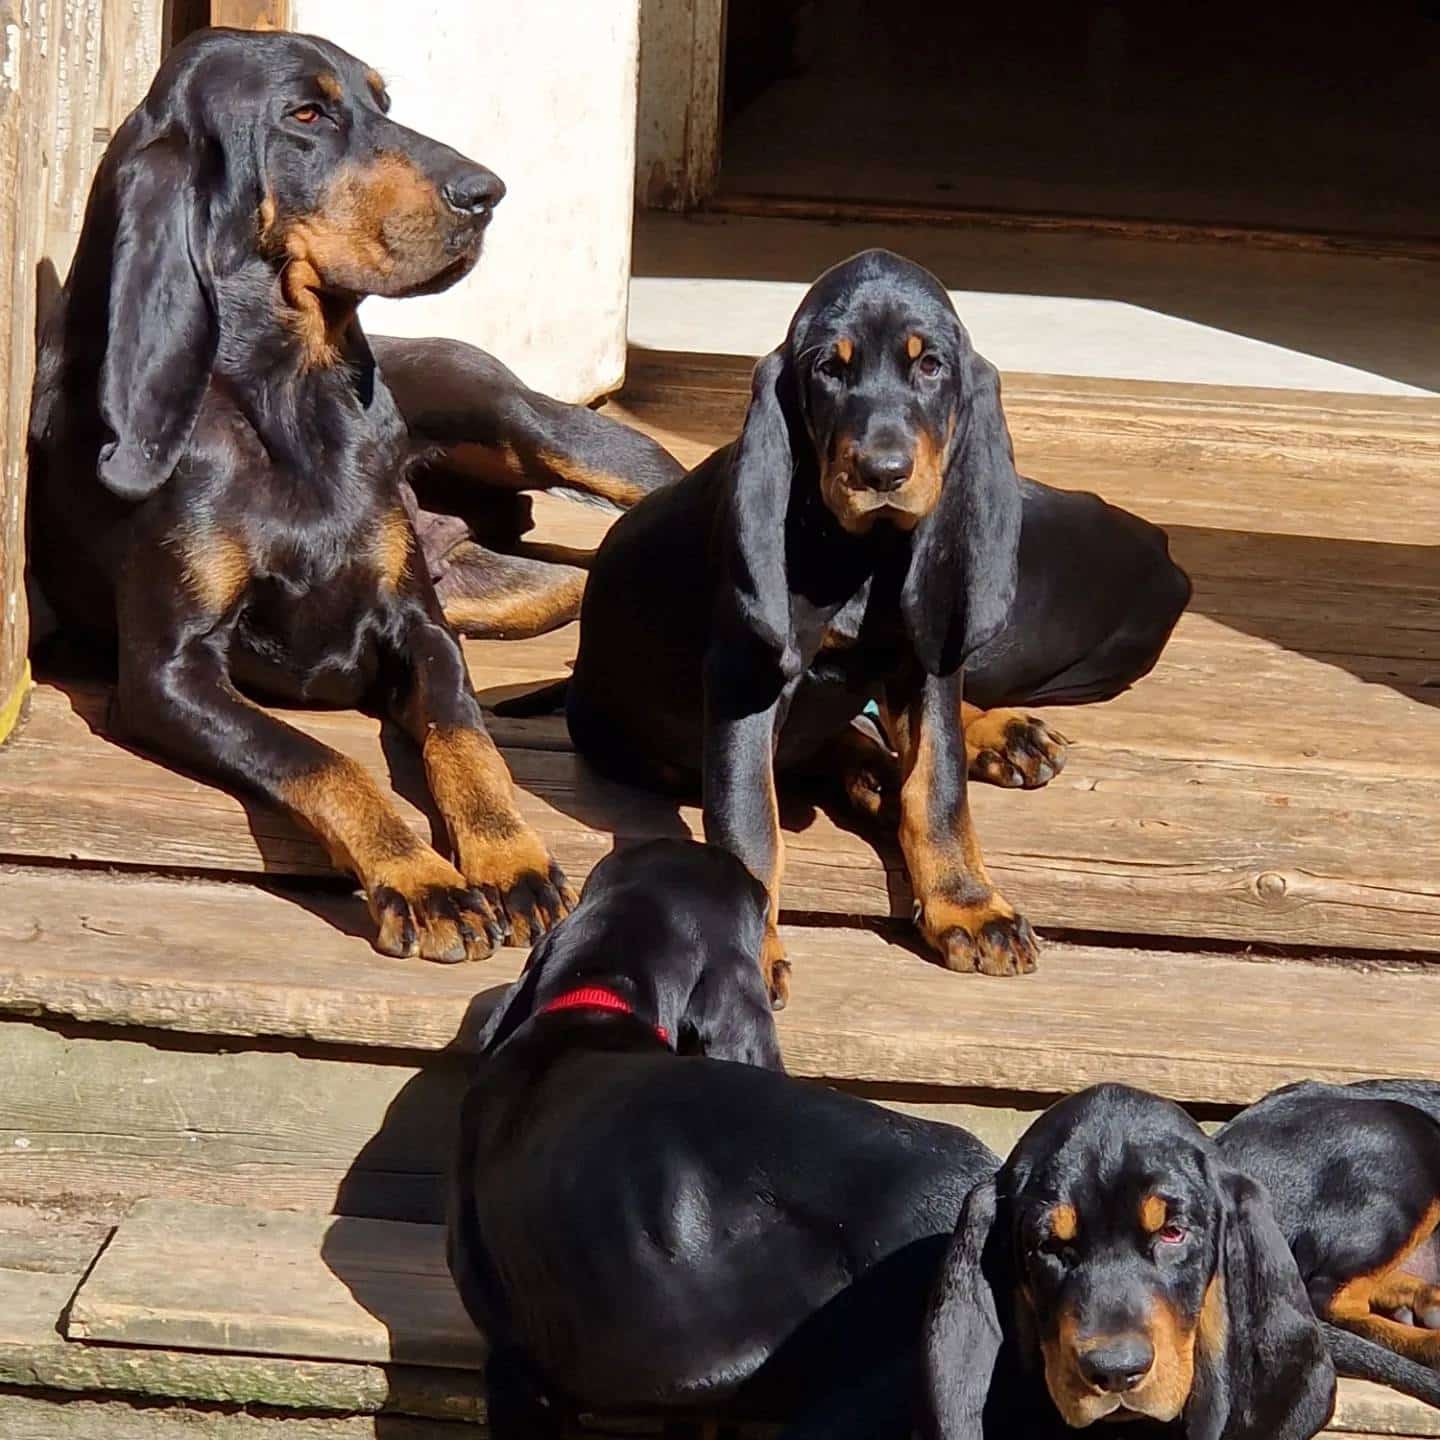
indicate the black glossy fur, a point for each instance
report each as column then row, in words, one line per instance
column 865, row 539
column 218, row 465
column 1354, row 1174
column 638, row 1230
column 1117, row 1262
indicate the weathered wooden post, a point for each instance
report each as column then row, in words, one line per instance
column 69, row 72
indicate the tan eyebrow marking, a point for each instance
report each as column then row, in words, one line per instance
column 375, row 80
column 329, row 85
column 845, row 349
column 1153, row 1214
column 1064, row 1223
column 913, row 346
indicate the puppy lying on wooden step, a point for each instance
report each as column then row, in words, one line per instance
column 1354, row 1175
column 642, row 1223
column 1119, row 1268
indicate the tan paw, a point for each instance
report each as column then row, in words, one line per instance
column 985, row 937
column 775, row 970
column 1007, row 748
column 423, row 906
column 519, row 877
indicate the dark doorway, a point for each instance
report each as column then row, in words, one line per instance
column 1281, row 116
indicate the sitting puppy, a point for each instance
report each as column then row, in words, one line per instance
column 217, row 464
column 1118, row 1269
column 637, row 1232
column 865, row 539
column 1354, row 1175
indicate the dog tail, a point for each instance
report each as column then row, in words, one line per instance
column 547, row 700
column 1363, row 1359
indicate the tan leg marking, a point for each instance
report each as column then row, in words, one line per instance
column 498, row 852
column 421, row 903
column 1011, row 748
column 1354, row 1303
column 959, row 911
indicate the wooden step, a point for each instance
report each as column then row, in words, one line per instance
column 45, row 1256
column 1209, row 803
column 206, row 1040
column 1276, row 780
column 223, row 1281
column 231, row 960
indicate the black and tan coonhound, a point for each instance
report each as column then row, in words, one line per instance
column 641, row 1223
column 1354, row 1174
column 1117, row 1268
column 218, row 466
column 866, row 539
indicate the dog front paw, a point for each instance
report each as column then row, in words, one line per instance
column 1013, row 750
column 985, row 937
column 521, row 879
column 423, row 906
column 775, row 969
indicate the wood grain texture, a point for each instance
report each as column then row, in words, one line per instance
column 70, row 70
column 35, row 1355
column 138, row 1294
column 33, row 1417
column 205, row 959
column 251, row 14
column 97, row 1121
column 1270, row 826
column 310, row 1287
column 1274, row 780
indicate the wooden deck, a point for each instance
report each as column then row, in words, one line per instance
column 1275, row 782
column 1235, row 877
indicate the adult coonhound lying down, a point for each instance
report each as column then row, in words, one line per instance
column 1118, row 1256
column 635, row 1231
column 866, row 539
column 217, row 465
column 1354, row 1173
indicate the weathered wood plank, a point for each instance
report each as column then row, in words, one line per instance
column 251, row 14
column 206, row 959
column 1153, row 439
column 140, row 1295
column 34, row 1355
column 309, row 1287
column 35, row 1417
column 1275, row 847
column 98, row 1121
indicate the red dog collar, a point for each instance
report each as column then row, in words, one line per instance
column 596, row 997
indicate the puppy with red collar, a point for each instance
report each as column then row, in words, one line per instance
column 639, row 1223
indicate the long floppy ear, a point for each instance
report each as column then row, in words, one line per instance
column 753, row 517
column 162, row 331
column 962, row 575
column 517, row 1004
column 1262, row 1371
column 964, row 1332
column 729, row 1015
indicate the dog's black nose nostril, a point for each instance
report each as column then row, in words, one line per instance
column 884, row 471
column 1118, row 1366
column 476, row 192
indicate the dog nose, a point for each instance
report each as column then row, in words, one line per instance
column 884, row 470
column 1118, row 1366
column 474, row 192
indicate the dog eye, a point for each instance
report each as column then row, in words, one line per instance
column 306, row 114
column 929, row 366
column 832, row 369
column 1172, row 1235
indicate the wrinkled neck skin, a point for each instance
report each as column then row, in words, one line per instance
column 301, row 411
